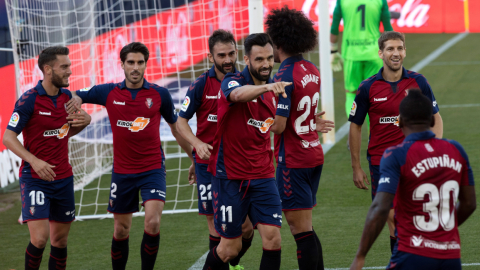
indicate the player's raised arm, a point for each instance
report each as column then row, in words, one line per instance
column 248, row 93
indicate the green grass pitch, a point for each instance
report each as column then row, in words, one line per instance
column 342, row 208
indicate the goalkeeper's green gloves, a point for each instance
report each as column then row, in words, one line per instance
column 335, row 58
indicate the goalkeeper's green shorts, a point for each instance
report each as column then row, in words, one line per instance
column 357, row 71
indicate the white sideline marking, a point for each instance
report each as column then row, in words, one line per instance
column 455, row 63
column 343, row 130
column 384, row 267
column 459, row 105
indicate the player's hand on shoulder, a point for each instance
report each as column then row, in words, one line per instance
column 72, row 103
column 203, row 150
column 79, row 118
column 43, row 169
column 192, row 177
column 323, row 125
column 357, row 263
column 278, row 88
column 360, row 178
column 336, row 60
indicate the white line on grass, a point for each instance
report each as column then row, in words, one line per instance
column 383, row 267
column 455, row 63
column 343, row 130
column 459, row 105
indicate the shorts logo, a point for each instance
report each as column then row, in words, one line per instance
column 149, row 103
column 416, row 241
column 275, row 215
column 14, row 120
column 68, row 213
column 32, row 210
column 185, row 104
column 224, row 227
column 160, row 192
column 233, row 84
column 60, row 133
column 212, row 118
column 390, row 120
column 263, row 126
column 204, row 204
column 136, row 125
column 354, row 109
column 111, row 203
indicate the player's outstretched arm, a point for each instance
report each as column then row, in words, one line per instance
column 355, row 139
column 248, row 93
column 74, row 102
column 438, row 127
column 202, row 149
column 376, row 218
column 323, row 125
column 78, row 120
column 467, row 203
column 42, row 168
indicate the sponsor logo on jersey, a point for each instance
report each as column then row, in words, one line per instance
column 354, row 109
column 14, row 119
column 309, row 78
column 380, row 99
column 149, row 103
column 263, row 126
column 136, row 125
column 44, row 113
column 434, row 162
column 118, row 102
column 389, row 120
column 282, row 106
column 420, row 242
column 233, row 84
column 212, row 97
column 212, row 118
column 60, row 132
column 306, row 144
column 384, row 180
column 85, row 89
column 416, row 241
column 429, row 147
column 185, row 104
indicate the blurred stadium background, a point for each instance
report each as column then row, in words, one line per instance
column 176, row 33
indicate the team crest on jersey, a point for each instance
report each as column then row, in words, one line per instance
column 149, row 103
column 136, row 125
column 14, row 119
column 233, row 84
column 263, row 126
column 354, row 109
column 32, row 210
column 60, row 132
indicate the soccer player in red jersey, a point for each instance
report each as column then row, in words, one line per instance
column 380, row 96
column 298, row 151
column 430, row 183
column 201, row 99
column 46, row 178
column 241, row 161
column 135, row 108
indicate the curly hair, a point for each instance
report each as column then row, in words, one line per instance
column 291, row 31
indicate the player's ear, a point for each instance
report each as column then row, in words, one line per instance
column 432, row 123
column 210, row 57
column 245, row 58
column 380, row 54
column 122, row 64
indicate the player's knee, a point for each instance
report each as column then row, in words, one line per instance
column 39, row 242
column 229, row 253
column 59, row 242
column 152, row 226
column 272, row 241
column 121, row 230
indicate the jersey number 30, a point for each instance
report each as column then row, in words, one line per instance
column 305, row 104
column 438, row 208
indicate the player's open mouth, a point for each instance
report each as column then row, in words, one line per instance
column 265, row 72
column 396, row 60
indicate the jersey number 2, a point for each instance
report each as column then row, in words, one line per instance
column 438, row 207
column 306, row 103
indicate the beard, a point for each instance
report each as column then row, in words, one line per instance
column 129, row 78
column 57, row 81
column 258, row 76
column 222, row 67
column 391, row 67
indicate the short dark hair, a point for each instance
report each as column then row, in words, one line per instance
column 291, row 31
column 259, row 39
column 389, row 35
column 49, row 55
column 416, row 109
column 134, row 47
column 221, row 36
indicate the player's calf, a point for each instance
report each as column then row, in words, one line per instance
column 33, row 257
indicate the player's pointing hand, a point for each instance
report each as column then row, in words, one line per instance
column 278, row 88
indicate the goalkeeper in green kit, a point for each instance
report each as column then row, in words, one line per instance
column 361, row 20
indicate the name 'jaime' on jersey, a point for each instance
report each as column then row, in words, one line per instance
column 135, row 120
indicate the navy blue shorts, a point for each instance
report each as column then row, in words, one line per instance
column 53, row 200
column 125, row 187
column 233, row 200
column 298, row 187
column 204, row 186
column 374, row 178
column 407, row 261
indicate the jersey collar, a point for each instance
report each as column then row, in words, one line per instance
column 246, row 74
column 420, row 136
column 145, row 85
column 380, row 77
column 41, row 91
column 292, row 59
